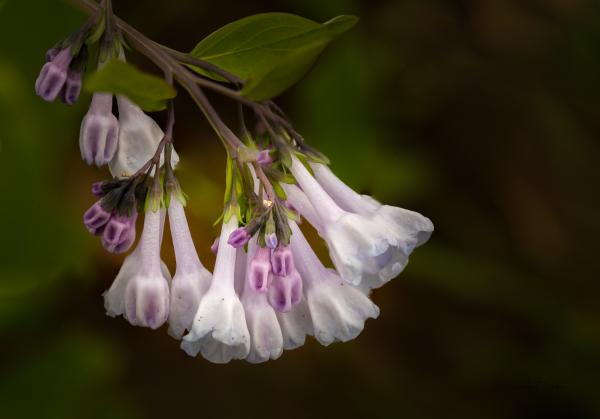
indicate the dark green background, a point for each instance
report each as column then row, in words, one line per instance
column 482, row 115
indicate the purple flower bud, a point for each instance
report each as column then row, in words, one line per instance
column 53, row 76
column 271, row 240
column 96, row 218
column 240, row 237
column 285, row 293
column 282, row 261
column 72, row 89
column 215, row 246
column 51, row 54
column 260, row 270
column 264, row 157
column 119, row 233
column 98, row 137
column 97, row 189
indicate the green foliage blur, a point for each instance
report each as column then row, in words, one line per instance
column 482, row 115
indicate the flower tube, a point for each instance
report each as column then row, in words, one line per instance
column 266, row 339
column 219, row 331
column 338, row 311
column 191, row 278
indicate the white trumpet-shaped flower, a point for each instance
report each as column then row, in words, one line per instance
column 147, row 293
column 191, row 278
column 338, row 311
column 114, row 297
column 219, row 331
column 139, row 136
column 266, row 340
column 413, row 228
column 364, row 245
column 295, row 325
column 240, row 271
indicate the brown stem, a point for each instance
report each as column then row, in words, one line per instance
column 180, row 73
column 265, row 181
column 190, row 60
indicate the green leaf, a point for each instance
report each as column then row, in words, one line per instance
column 147, row 91
column 269, row 51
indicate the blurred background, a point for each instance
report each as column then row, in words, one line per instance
column 482, row 115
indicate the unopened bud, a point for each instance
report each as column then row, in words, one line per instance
column 99, row 131
column 282, row 261
column 95, row 218
column 119, row 233
column 285, row 292
column 53, row 76
column 260, row 270
column 240, row 237
column 72, row 87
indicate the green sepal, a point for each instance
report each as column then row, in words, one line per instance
column 284, row 231
column 270, row 227
column 229, row 173
column 285, row 156
column 230, row 211
column 302, row 158
column 278, row 175
column 173, row 189
column 261, row 237
column 279, row 191
column 247, row 154
column 314, row 155
column 96, row 33
column 292, row 215
column 155, row 197
column 219, row 220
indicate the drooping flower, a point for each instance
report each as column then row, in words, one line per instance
column 191, row 278
column 219, row 331
column 147, row 294
column 53, row 75
column 338, row 311
column 299, row 201
column 139, row 136
column 99, row 131
column 295, row 325
column 360, row 246
column 266, row 339
column 114, row 297
column 414, row 228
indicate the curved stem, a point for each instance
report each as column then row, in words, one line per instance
column 190, row 60
column 265, row 181
column 166, row 57
column 180, row 73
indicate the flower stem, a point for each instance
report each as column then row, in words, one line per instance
column 167, row 63
column 176, row 61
